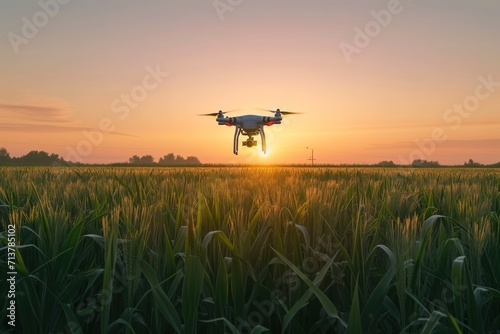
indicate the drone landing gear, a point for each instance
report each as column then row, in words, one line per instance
column 263, row 137
column 250, row 142
column 237, row 132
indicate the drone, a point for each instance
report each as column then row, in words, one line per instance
column 249, row 125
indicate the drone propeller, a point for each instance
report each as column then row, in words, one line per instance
column 217, row 113
column 289, row 113
column 281, row 111
column 211, row 114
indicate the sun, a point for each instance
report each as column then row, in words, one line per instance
column 264, row 155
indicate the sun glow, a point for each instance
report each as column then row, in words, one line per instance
column 265, row 155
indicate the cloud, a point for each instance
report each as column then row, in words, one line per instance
column 47, row 112
column 404, row 127
column 476, row 144
column 48, row 115
column 36, row 128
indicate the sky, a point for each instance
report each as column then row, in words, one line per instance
column 100, row 81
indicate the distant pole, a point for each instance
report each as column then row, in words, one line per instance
column 312, row 156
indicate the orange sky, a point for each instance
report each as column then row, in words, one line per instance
column 100, row 81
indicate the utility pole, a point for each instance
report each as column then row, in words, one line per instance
column 312, row 156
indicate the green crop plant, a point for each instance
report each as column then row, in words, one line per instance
column 252, row 250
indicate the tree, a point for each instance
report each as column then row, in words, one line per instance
column 38, row 158
column 147, row 160
column 192, row 161
column 177, row 160
column 386, row 164
column 424, row 163
column 4, row 156
column 472, row 163
column 144, row 160
column 134, row 159
column 167, row 159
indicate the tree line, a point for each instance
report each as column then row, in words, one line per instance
column 33, row 158
column 167, row 160
column 426, row 163
column 42, row 158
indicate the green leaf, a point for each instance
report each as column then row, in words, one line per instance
column 259, row 330
column 73, row 324
column 191, row 291
column 163, row 303
column 327, row 304
column 374, row 303
column 221, row 288
column 109, row 270
column 222, row 237
column 237, row 286
column 228, row 323
column 432, row 322
column 354, row 324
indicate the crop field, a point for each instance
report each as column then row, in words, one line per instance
column 250, row 250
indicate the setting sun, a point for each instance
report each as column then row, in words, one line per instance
column 265, row 155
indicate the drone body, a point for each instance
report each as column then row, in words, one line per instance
column 249, row 125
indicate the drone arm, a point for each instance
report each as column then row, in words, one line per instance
column 263, row 137
column 237, row 132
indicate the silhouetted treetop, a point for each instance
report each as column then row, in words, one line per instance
column 4, row 156
column 386, row 164
column 472, row 163
column 33, row 158
column 144, row 160
column 424, row 163
column 167, row 160
column 170, row 159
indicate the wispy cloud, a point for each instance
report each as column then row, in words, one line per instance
column 476, row 144
column 47, row 115
column 46, row 112
column 405, row 127
column 42, row 128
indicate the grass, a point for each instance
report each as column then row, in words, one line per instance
column 257, row 250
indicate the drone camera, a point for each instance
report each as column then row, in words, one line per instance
column 249, row 143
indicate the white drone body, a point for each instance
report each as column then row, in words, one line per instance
column 249, row 125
